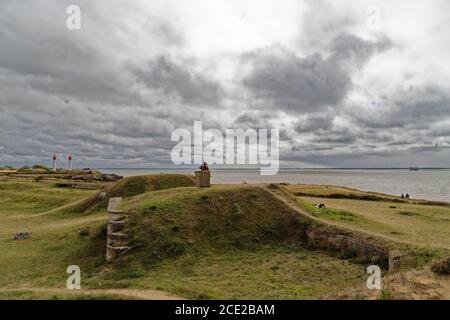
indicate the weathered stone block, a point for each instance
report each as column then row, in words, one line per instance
column 202, row 179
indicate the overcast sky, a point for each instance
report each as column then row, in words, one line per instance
column 345, row 92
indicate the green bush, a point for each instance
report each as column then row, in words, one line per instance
column 237, row 210
column 39, row 166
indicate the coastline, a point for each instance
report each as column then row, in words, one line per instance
column 429, row 184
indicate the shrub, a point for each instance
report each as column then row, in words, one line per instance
column 442, row 267
column 386, row 294
column 84, row 232
column 237, row 210
column 348, row 253
column 39, row 166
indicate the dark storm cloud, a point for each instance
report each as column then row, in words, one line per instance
column 289, row 82
column 314, row 122
column 63, row 91
column 411, row 108
column 347, row 47
column 254, row 119
column 54, row 60
column 172, row 78
column 112, row 92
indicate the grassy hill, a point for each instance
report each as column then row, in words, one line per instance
column 181, row 220
column 133, row 186
column 228, row 241
column 418, row 222
column 239, row 238
column 221, row 242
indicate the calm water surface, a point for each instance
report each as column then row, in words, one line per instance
column 423, row 184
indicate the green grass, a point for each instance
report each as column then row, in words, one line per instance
column 339, row 192
column 422, row 225
column 39, row 295
column 224, row 242
column 181, row 220
column 25, row 196
column 133, row 186
column 268, row 272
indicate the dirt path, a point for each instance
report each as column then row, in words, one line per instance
column 60, row 208
column 124, row 293
column 420, row 285
column 65, row 206
column 52, row 225
column 69, row 223
column 289, row 202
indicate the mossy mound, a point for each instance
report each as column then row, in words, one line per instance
column 169, row 223
column 133, row 186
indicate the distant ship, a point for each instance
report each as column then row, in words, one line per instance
column 413, row 169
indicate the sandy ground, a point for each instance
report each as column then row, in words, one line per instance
column 412, row 285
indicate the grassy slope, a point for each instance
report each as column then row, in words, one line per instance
column 61, row 235
column 421, row 229
column 222, row 242
column 27, row 205
column 133, row 186
column 227, row 242
column 423, row 225
column 195, row 252
column 22, row 195
column 339, row 192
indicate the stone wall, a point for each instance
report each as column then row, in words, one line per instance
column 117, row 237
column 346, row 244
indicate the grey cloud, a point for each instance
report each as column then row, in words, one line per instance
column 304, row 84
column 321, row 23
column 314, row 122
column 170, row 77
column 289, row 82
column 253, row 119
column 348, row 48
column 63, row 91
column 167, row 33
column 412, row 108
column 112, row 92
